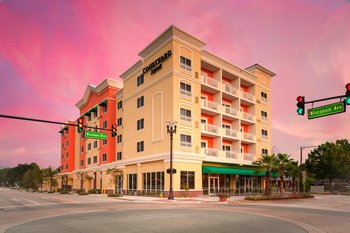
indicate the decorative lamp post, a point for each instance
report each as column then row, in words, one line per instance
column 171, row 129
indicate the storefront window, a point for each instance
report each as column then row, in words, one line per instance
column 187, row 180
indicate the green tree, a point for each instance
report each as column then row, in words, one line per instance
column 267, row 164
column 32, row 178
column 293, row 170
column 330, row 161
column 281, row 163
column 49, row 177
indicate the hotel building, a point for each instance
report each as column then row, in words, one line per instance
column 223, row 124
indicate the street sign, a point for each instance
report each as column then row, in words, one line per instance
column 95, row 135
column 326, row 110
column 169, row 171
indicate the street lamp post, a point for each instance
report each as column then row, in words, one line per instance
column 171, row 129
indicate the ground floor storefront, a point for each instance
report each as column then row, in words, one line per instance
column 191, row 179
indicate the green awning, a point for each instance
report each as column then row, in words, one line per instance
column 229, row 170
column 94, row 109
column 103, row 103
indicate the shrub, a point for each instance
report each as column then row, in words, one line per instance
column 278, row 197
column 64, row 192
column 115, row 195
column 95, row 191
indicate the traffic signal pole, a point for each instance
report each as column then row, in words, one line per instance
column 49, row 122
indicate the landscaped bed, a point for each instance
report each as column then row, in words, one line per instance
column 279, row 197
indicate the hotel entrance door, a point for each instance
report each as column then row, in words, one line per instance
column 213, row 185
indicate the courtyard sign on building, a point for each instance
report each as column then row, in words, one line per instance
column 157, row 64
column 326, row 110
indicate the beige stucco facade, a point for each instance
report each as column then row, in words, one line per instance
column 222, row 113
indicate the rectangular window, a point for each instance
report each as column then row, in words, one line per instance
column 95, row 159
column 62, row 157
column 140, row 80
column 263, row 114
column 185, row 140
column 185, row 63
column 82, row 162
column 187, row 180
column 120, row 104
column 119, row 121
column 82, row 149
column 104, row 157
column 95, row 144
column 140, row 146
column 153, row 182
column 119, row 155
column 67, row 143
column 140, row 102
column 88, row 117
column 89, row 146
column 140, row 124
column 264, row 134
column 67, row 166
column 264, row 152
column 104, row 125
column 185, row 115
column 104, row 108
column 89, row 161
column 185, row 90
column 263, row 97
column 67, row 155
column 104, row 142
column 132, row 182
column 119, row 138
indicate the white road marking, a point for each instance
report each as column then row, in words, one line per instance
column 16, row 206
column 34, row 202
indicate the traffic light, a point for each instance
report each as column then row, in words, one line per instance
column 301, row 105
column 80, row 124
column 114, row 130
column 347, row 98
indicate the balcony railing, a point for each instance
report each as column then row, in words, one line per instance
column 211, row 152
column 210, row 81
column 248, row 136
column 248, row 157
column 209, row 104
column 248, row 116
column 186, row 94
column 185, row 120
column 263, row 100
column 230, row 111
column 231, row 155
column 210, row 128
column 248, row 96
column 230, row 89
column 231, row 132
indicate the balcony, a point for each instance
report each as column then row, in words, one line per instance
column 210, row 152
column 248, row 96
column 231, row 111
column 209, row 81
column 231, row 132
column 230, row 89
column 210, row 105
column 231, row 154
column 248, row 157
column 248, row 116
column 210, row 128
column 248, row 136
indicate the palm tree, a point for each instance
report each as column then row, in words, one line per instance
column 266, row 163
column 294, row 171
column 282, row 161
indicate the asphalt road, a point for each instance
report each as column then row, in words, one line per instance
column 36, row 212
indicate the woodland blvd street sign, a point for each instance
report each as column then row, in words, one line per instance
column 95, row 135
column 326, row 110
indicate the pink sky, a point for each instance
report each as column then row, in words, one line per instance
column 51, row 50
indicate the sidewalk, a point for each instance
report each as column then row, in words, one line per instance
column 179, row 199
